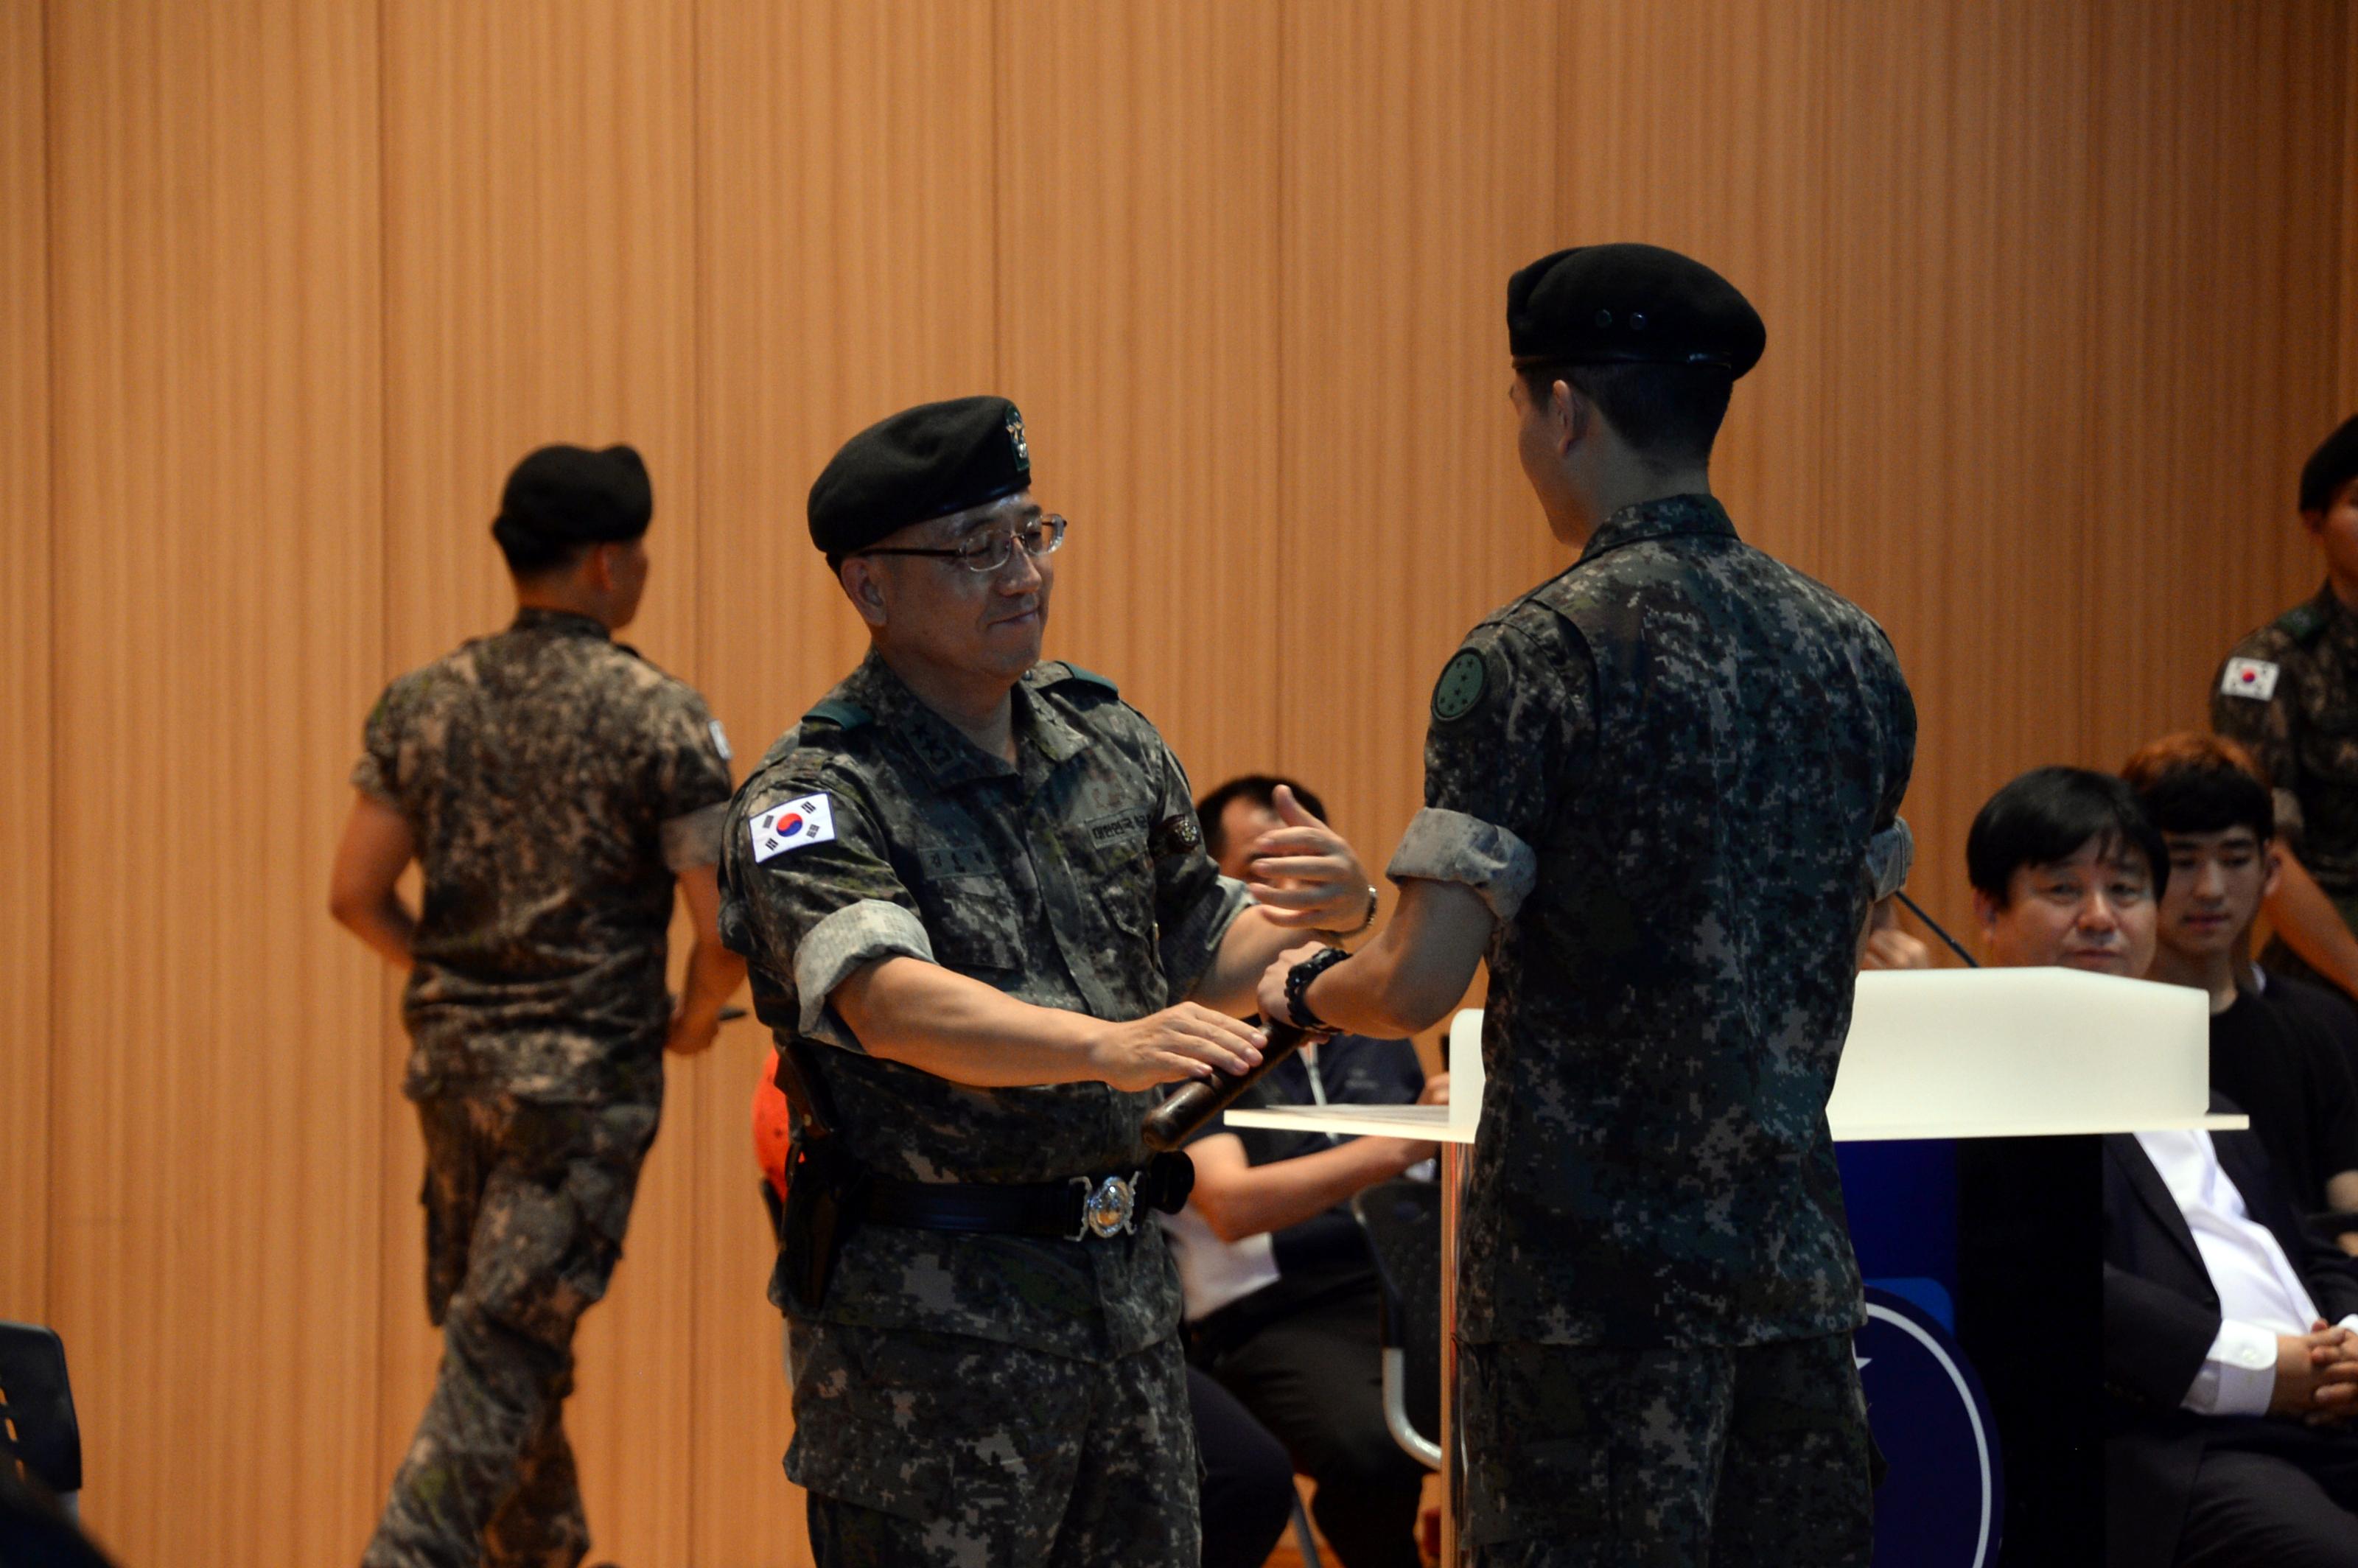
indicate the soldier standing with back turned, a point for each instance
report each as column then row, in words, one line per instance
column 555, row 787
column 981, row 923
column 1660, row 790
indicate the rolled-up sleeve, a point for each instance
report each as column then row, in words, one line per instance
column 1444, row 846
column 1890, row 855
column 694, row 839
column 841, row 942
column 1513, row 728
column 810, row 914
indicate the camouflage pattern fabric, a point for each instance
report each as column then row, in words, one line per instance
column 2302, row 725
column 1071, row 878
column 937, row 1451
column 555, row 782
column 1580, row 1456
column 1665, row 770
column 525, row 1209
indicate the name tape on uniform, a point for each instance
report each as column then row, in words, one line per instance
column 2255, row 679
column 796, row 824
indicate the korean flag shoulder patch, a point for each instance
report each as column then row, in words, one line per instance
column 796, row 825
column 2255, row 679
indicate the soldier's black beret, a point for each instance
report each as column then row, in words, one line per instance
column 1629, row 304
column 576, row 496
column 2331, row 466
column 923, row 462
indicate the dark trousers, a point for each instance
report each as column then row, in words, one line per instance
column 1315, row 1378
column 2273, row 1493
column 1247, row 1492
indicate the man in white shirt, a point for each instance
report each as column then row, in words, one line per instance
column 2228, row 1390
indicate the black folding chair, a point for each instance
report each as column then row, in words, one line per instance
column 1401, row 1221
column 36, row 1415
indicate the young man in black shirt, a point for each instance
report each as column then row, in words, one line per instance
column 2268, row 1053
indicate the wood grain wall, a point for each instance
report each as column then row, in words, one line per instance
column 2059, row 296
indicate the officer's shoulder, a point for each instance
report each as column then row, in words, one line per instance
column 1536, row 623
column 1071, row 682
column 2300, row 626
column 810, row 756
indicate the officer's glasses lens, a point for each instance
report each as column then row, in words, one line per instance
column 1037, row 538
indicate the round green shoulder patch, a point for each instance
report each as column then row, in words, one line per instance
column 1463, row 681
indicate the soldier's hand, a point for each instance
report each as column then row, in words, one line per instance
column 1184, row 1042
column 1304, row 874
column 1274, row 1002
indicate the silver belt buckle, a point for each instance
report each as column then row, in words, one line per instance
column 1109, row 1209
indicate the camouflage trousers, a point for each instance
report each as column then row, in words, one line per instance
column 525, row 1206
column 1584, row 1456
column 937, row 1451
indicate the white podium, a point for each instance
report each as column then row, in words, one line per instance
column 1930, row 1054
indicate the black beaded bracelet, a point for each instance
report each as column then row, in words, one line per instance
column 1297, row 986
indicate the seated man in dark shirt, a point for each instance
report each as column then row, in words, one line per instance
column 2268, row 1053
column 1280, row 1287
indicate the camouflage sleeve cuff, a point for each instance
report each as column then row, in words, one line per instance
column 839, row 943
column 694, row 839
column 369, row 779
column 1451, row 846
column 1890, row 854
column 1188, row 948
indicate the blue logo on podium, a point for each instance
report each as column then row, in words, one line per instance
column 1942, row 1504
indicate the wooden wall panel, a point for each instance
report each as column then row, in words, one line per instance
column 25, row 673
column 848, row 181
column 1138, row 305
column 1420, row 171
column 215, row 287
column 539, row 213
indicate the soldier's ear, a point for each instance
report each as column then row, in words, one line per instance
column 863, row 585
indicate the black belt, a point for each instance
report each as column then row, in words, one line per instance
column 1075, row 1208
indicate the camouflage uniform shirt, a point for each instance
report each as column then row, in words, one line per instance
column 2290, row 692
column 1673, row 773
column 555, row 782
column 1071, row 878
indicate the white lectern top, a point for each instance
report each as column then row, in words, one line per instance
column 1932, row 1053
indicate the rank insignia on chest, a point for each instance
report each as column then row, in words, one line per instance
column 796, row 824
column 2255, row 679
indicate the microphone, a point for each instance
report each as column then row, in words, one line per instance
column 1184, row 1114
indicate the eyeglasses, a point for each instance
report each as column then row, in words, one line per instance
column 1040, row 536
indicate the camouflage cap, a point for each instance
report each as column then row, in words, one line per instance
column 923, row 462
column 1629, row 304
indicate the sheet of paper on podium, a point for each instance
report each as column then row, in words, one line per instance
column 1932, row 1053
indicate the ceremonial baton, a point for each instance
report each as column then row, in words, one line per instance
column 1184, row 1114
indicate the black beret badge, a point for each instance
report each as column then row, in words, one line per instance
column 1015, row 435
column 1464, row 681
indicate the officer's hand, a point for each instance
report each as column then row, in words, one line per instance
column 2316, row 1380
column 1304, row 874
column 1275, row 1003
column 1184, row 1042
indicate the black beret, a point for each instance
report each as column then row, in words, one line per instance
column 1629, row 304
column 2331, row 466
column 923, row 462
column 573, row 495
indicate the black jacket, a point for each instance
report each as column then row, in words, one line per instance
column 2161, row 1314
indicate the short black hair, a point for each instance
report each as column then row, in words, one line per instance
column 2193, row 783
column 2046, row 815
column 1259, row 788
column 1667, row 413
column 531, row 555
